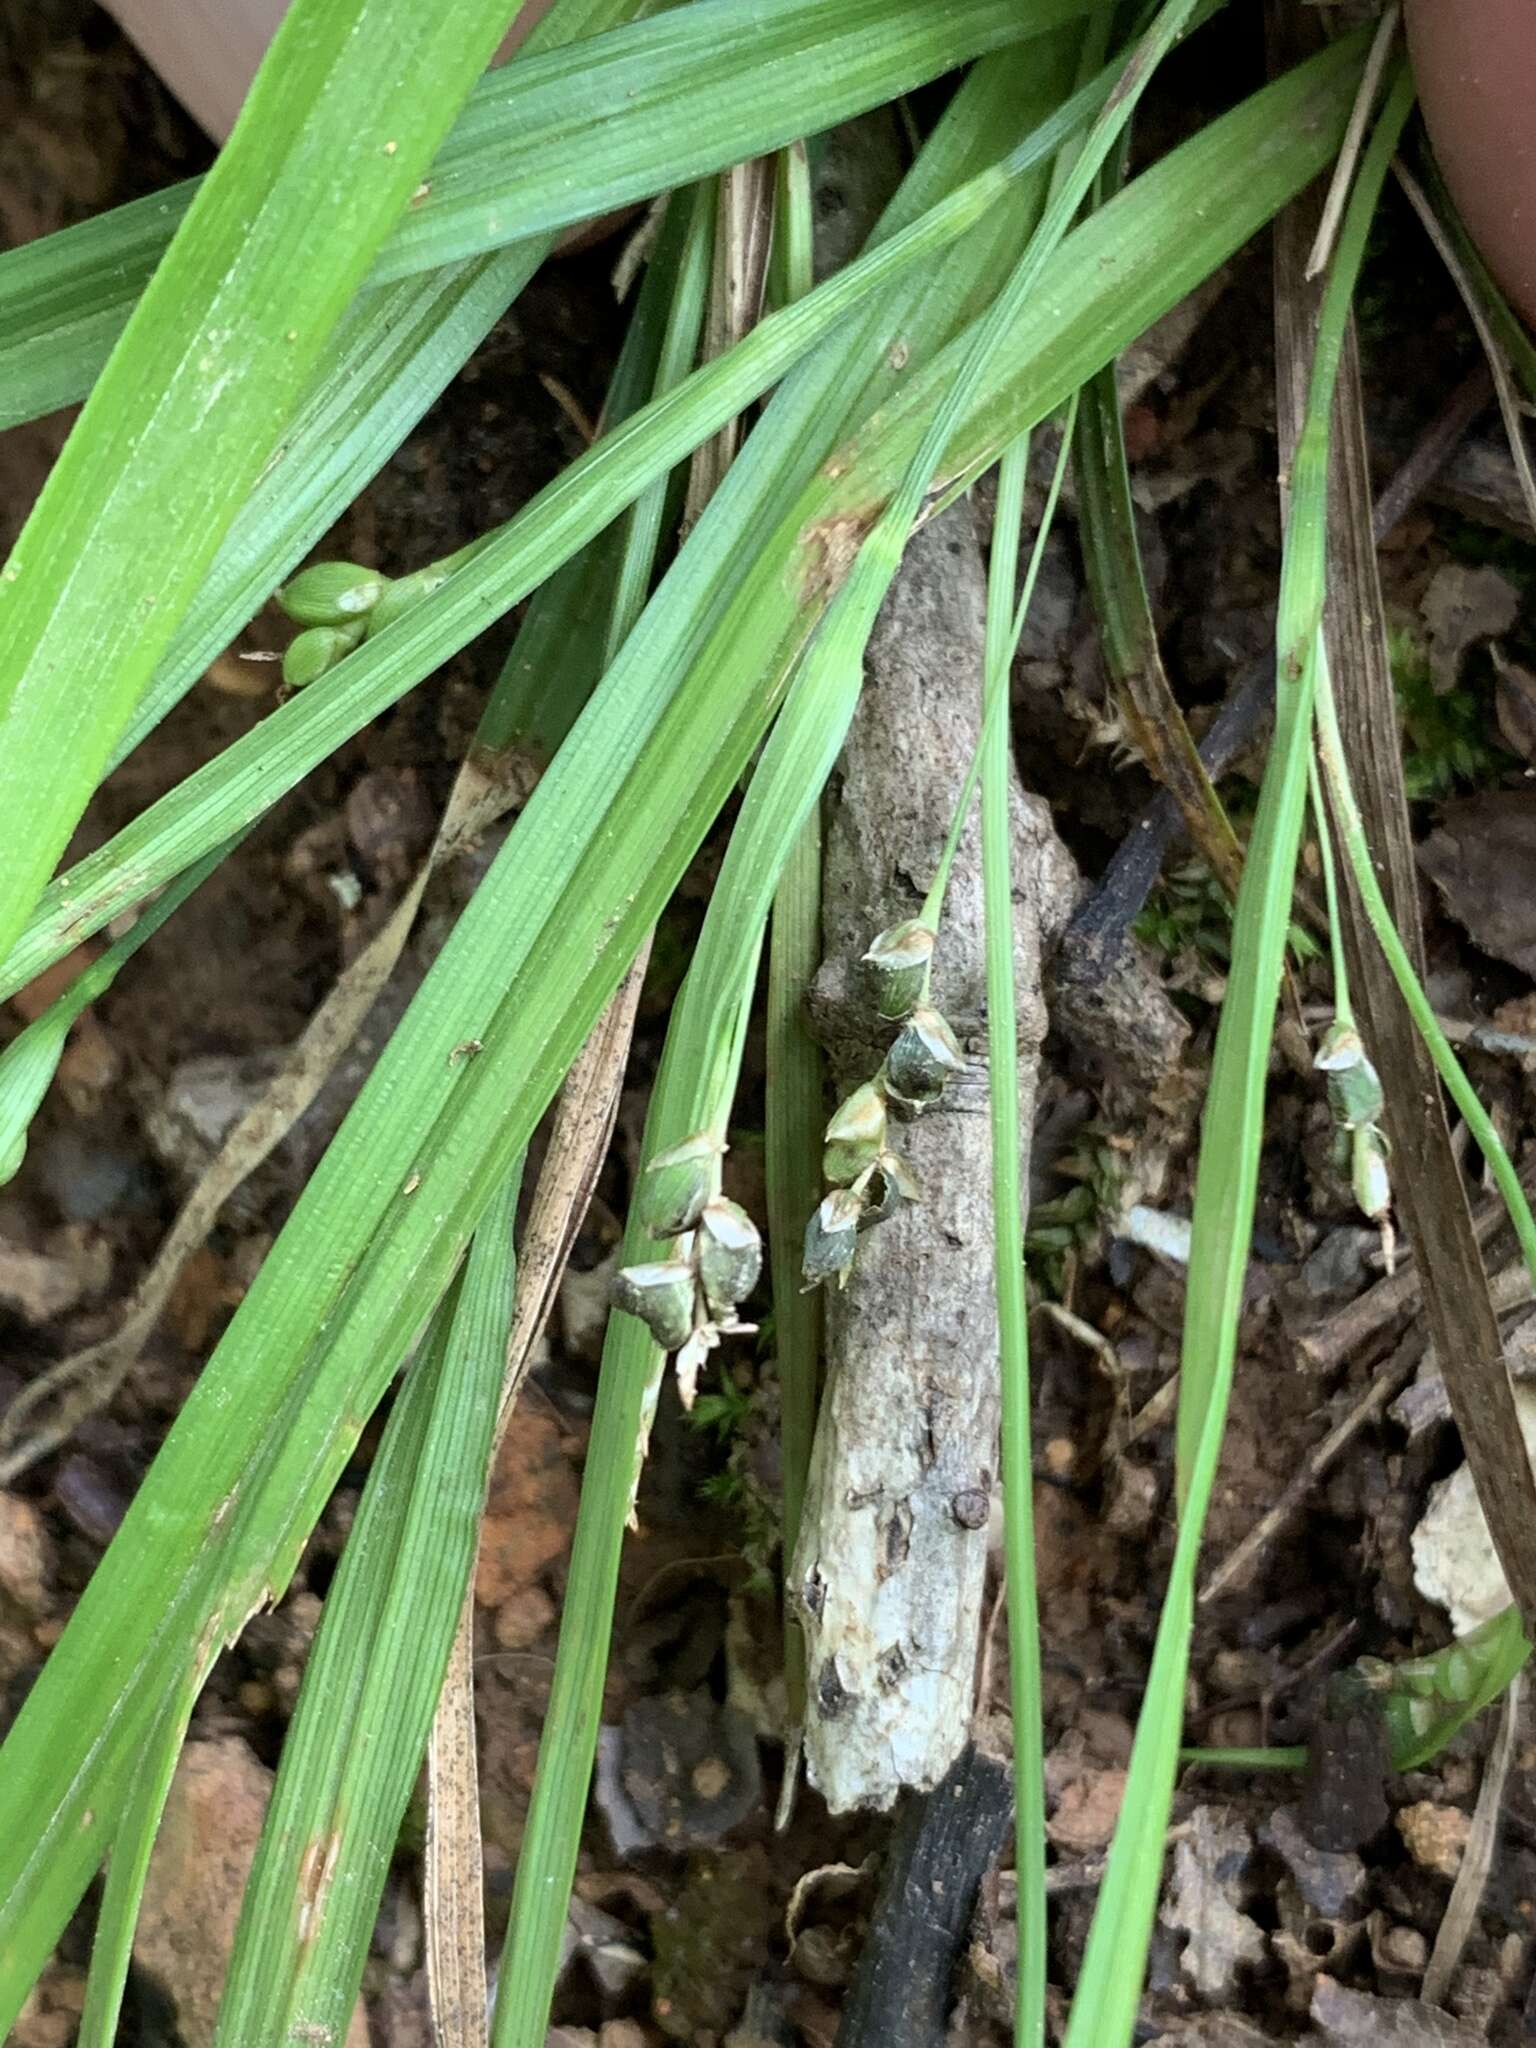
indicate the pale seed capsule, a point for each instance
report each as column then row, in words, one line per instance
column 662, row 1296
column 1368, row 1173
column 898, row 966
column 1342, row 1046
column 926, row 1053
column 677, row 1183
column 332, row 593
column 317, row 649
column 856, row 1135
column 728, row 1253
column 831, row 1238
column 889, row 1183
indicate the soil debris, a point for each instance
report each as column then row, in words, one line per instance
column 1454, row 1561
column 27, row 1565
column 1329, row 1883
column 1356, row 2019
column 687, row 1772
column 530, row 1511
column 197, row 1875
column 710, row 1943
column 1481, row 857
column 1211, row 1863
column 1435, row 1835
column 1463, row 607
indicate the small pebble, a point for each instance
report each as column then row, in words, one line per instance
column 1436, row 1836
column 621, row 2034
column 26, row 1564
column 90, row 1499
column 522, row 1619
column 1403, row 1948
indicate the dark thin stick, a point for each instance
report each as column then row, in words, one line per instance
column 1100, row 928
column 1433, row 450
column 942, row 1848
column 1098, row 932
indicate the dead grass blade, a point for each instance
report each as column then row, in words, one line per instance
column 1427, row 1180
column 1112, row 559
column 744, row 204
column 1477, row 1858
column 1354, row 140
column 454, row 1872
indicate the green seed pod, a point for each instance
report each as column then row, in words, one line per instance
column 729, row 1254
column 317, row 649
column 332, row 593
column 925, row 1055
column 856, row 1135
column 677, row 1183
column 662, row 1296
column 404, row 594
column 1368, row 1172
column 898, row 966
column 1354, row 1087
column 1355, row 1096
column 831, row 1238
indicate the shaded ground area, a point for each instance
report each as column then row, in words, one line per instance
column 1290, row 1908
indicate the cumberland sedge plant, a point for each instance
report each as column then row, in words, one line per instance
column 251, row 351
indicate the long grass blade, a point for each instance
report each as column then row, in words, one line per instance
column 794, row 1111
column 127, row 1869
column 1104, row 2010
column 556, row 138
column 354, row 97
column 1008, row 1228
column 500, row 570
column 359, row 1731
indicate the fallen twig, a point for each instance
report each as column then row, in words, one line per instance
column 1432, row 451
column 1387, row 1382
column 941, row 1850
column 1331, row 1342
